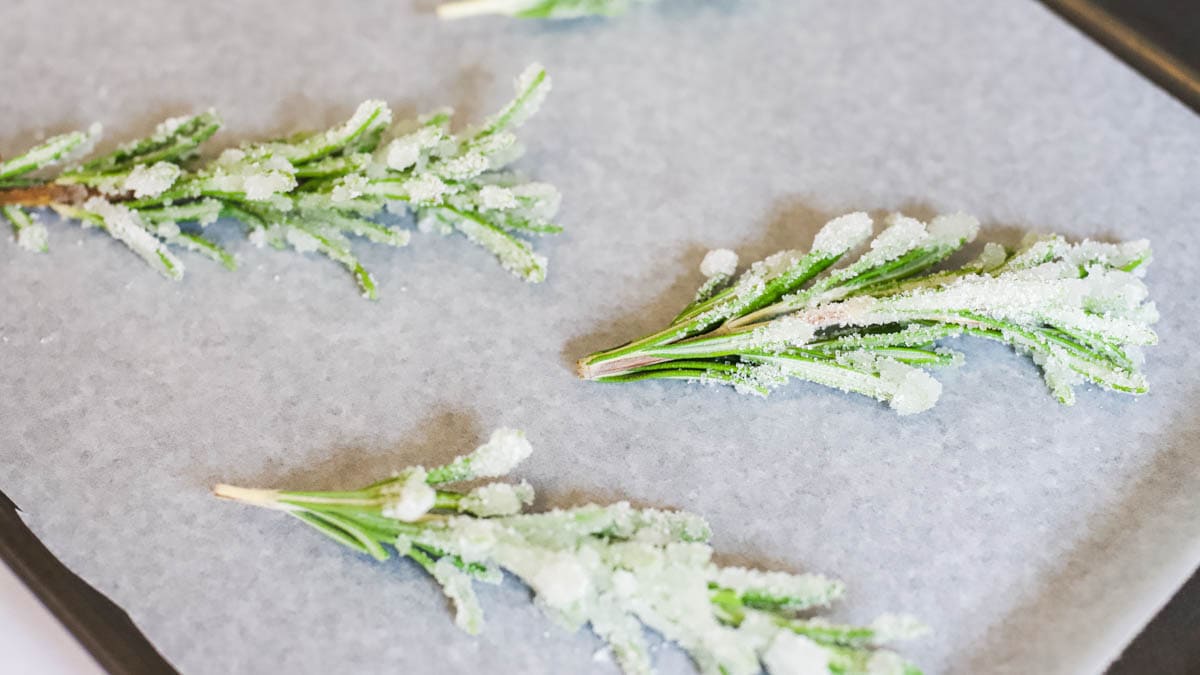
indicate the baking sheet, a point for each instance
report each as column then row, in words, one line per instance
column 1032, row 537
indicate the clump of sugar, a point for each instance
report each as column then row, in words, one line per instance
column 261, row 187
column 792, row 654
column 468, row 615
column 348, row 188
column 955, row 227
column 302, row 241
column 405, row 151
column 34, row 237
column 786, row 331
column 992, row 256
column 913, row 390
column 151, row 181
column 463, row 167
column 843, row 233
column 540, row 200
column 902, row 235
column 719, row 262
column 425, row 189
column 505, row 449
column 562, row 582
column 411, row 499
column 497, row 499
column 496, row 198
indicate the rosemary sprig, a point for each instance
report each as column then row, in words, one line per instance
column 870, row 326
column 614, row 567
column 536, row 9
column 310, row 192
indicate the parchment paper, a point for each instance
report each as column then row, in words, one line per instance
column 1032, row 537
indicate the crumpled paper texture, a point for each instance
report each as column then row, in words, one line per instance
column 1032, row 537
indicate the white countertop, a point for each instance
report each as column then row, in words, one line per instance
column 32, row 640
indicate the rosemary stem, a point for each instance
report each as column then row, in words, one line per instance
column 33, row 196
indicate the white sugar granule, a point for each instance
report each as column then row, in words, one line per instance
column 954, row 228
column 302, row 241
column 461, row 168
column 540, row 200
column 494, row 197
column 151, row 181
column 843, row 233
column 902, row 235
column 425, row 189
column 719, row 261
column 502, row 453
column 348, row 188
column 913, row 390
column 31, row 234
column 791, row 654
column 33, row 237
column 467, row 614
column 260, row 187
column 413, row 500
column 497, row 499
column 404, row 152
column 562, row 582
column 992, row 256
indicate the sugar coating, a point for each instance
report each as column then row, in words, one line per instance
column 561, row 582
column 127, row 227
column 494, row 197
column 410, row 499
column 468, row 615
column 463, row 167
column 151, row 181
column 302, row 241
column 912, row 390
column 497, row 499
column 505, row 449
column 425, row 189
column 954, row 227
column 720, row 261
column 791, row 654
column 349, row 188
column 843, row 233
column 796, row 591
column 405, row 151
column 536, row 84
column 33, row 237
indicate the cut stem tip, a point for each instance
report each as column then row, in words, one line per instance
column 255, row 497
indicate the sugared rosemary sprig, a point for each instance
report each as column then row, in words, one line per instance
column 308, row 192
column 617, row 568
column 870, row 326
column 536, row 9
